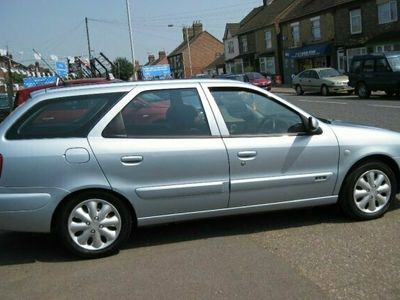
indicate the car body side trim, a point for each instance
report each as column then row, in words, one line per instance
column 268, row 182
column 146, row 221
column 182, row 190
column 23, row 201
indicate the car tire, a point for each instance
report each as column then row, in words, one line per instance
column 94, row 224
column 363, row 91
column 324, row 90
column 368, row 191
column 299, row 90
column 389, row 93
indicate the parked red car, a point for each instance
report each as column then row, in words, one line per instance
column 253, row 78
column 24, row 94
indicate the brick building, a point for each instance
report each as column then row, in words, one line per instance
column 193, row 56
column 161, row 60
column 366, row 26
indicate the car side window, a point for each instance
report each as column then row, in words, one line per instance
column 169, row 112
column 355, row 66
column 305, row 74
column 247, row 112
column 382, row 65
column 63, row 117
column 369, row 65
column 314, row 75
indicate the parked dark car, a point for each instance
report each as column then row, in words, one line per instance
column 24, row 94
column 375, row 72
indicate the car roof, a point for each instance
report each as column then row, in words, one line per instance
column 122, row 87
column 374, row 55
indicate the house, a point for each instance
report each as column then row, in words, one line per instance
column 217, row 67
column 197, row 50
column 161, row 60
column 366, row 26
column 259, row 37
column 231, row 47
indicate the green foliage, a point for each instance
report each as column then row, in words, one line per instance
column 123, row 69
column 17, row 78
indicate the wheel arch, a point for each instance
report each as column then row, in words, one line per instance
column 390, row 162
column 98, row 190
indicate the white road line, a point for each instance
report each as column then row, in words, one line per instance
column 384, row 106
column 329, row 102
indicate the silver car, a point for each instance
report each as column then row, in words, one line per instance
column 321, row 80
column 92, row 162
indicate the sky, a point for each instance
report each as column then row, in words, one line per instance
column 57, row 27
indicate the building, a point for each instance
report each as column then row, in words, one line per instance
column 259, row 37
column 231, row 47
column 217, row 67
column 197, row 50
column 365, row 26
column 161, row 60
column 308, row 33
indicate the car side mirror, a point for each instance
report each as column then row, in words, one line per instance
column 313, row 126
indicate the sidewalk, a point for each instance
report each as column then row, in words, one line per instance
column 283, row 89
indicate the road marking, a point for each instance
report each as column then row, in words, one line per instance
column 384, row 106
column 329, row 102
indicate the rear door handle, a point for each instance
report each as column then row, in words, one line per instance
column 247, row 155
column 131, row 159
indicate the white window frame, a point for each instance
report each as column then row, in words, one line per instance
column 352, row 17
column 295, row 38
column 244, row 43
column 384, row 48
column 231, row 47
column 314, row 21
column 268, row 39
column 392, row 10
column 267, row 65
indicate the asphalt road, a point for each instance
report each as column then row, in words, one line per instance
column 312, row 253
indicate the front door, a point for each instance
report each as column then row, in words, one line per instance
column 161, row 149
column 271, row 158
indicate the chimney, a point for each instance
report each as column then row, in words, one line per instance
column 151, row 58
column 267, row 2
column 161, row 54
column 193, row 30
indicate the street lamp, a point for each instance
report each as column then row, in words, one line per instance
column 131, row 40
column 188, row 45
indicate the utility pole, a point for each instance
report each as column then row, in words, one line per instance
column 131, row 39
column 190, row 55
column 10, row 86
column 88, row 41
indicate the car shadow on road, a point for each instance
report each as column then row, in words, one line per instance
column 23, row 248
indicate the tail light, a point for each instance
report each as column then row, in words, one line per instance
column 1, row 163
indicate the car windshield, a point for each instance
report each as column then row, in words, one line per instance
column 394, row 62
column 328, row 73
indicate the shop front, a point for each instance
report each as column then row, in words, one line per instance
column 297, row 60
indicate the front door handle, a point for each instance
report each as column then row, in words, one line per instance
column 131, row 159
column 247, row 155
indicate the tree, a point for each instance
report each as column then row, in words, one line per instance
column 122, row 69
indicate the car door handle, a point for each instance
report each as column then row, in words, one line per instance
column 131, row 159
column 247, row 155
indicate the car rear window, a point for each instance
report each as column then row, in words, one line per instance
column 63, row 117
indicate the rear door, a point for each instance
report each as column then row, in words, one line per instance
column 160, row 147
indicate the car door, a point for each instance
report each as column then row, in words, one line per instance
column 304, row 81
column 314, row 82
column 272, row 159
column 384, row 79
column 170, row 160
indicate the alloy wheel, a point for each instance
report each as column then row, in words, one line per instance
column 372, row 191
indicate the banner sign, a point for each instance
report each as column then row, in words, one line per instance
column 35, row 81
column 61, row 68
column 156, row 72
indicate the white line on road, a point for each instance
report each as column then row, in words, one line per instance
column 384, row 106
column 329, row 102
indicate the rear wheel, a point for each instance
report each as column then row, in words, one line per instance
column 368, row 191
column 363, row 91
column 324, row 90
column 299, row 90
column 94, row 224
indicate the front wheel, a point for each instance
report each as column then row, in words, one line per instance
column 368, row 191
column 324, row 90
column 363, row 91
column 299, row 90
column 94, row 224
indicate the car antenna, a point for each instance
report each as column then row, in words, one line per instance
column 51, row 69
